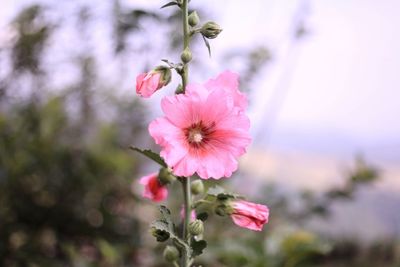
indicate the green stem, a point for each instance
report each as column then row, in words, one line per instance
column 186, row 181
column 186, row 39
column 187, row 210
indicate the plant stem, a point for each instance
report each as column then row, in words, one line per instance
column 187, row 217
column 186, row 39
column 186, row 181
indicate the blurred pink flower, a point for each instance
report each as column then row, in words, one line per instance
column 148, row 83
column 153, row 189
column 192, row 214
column 204, row 130
column 249, row 215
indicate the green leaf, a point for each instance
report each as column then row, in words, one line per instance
column 170, row 4
column 198, row 247
column 207, row 45
column 151, row 155
column 166, row 217
column 164, row 228
column 161, row 230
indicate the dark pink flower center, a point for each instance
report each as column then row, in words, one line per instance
column 199, row 134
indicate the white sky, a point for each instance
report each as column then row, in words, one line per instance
column 343, row 78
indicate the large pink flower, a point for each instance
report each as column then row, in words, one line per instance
column 249, row 215
column 148, row 83
column 204, row 130
column 153, row 189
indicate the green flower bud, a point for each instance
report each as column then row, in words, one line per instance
column 160, row 235
column 171, row 253
column 165, row 73
column 193, row 19
column 165, row 176
column 210, row 30
column 186, row 55
column 197, row 187
column 196, row 227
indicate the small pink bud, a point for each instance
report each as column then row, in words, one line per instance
column 148, row 83
column 249, row 215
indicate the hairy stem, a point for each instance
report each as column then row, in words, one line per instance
column 186, row 181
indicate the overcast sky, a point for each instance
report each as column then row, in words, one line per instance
column 342, row 79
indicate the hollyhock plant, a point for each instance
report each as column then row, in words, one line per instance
column 153, row 189
column 205, row 130
column 249, row 215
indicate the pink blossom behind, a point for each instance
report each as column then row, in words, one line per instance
column 153, row 189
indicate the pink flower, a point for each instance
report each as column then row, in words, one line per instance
column 153, row 189
column 249, row 215
column 229, row 82
column 148, row 83
column 204, row 130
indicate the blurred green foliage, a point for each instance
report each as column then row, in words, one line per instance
column 62, row 200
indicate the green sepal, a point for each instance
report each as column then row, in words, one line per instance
column 207, row 45
column 170, row 4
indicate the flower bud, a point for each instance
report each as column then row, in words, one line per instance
column 186, row 55
column 196, row 227
column 193, row 19
column 160, row 235
column 165, row 176
column 197, row 187
column 165, row 75
column 171, row 253
column 210, row 30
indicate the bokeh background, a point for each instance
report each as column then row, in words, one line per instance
column 322, row 79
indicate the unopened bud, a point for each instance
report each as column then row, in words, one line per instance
column 160, row 235
column 193, row 19
column 197, row 187
column 171, row 253
column 210, row 30
column 165, row 176
column 186, row 55
column 196, row 227
column 165, row 73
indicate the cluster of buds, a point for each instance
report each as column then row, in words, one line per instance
column 150, row 82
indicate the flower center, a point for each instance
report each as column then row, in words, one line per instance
column 198, row 134
column 195, row 136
